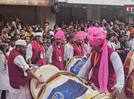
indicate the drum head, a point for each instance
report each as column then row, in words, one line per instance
column 71, row 62
column 45, row 72
column 79, row 66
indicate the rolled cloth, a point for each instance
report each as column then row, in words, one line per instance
column 97, row 37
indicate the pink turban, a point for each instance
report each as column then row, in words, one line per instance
column 59, row 35
column 97, row 37
column 81, row 35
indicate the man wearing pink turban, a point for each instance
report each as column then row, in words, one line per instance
column 56, row 51
column 78, row 45
column 106, row 65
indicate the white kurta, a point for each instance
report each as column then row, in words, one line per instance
column 4, row 77
column 131, row 44
column 68, row 54
column 24, row 91
column 29, row 52
column 49, row 54
column 119, row 71
column 113, row 45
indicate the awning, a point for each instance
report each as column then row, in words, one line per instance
column 100, row 2
column 25, row 2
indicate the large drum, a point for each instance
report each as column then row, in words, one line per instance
column 61, row 85
column 129, row 86
column 79, row 66
column 129, row 73
column 35, row 86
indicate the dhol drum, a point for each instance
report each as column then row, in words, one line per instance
column 129, row 86
column 62, row 85
column 129, row 73
column 79, row 66
column 35, row 86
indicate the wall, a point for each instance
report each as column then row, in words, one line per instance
column 29, row 14
column 71, row 13
column 107, row 12
column 45, row 12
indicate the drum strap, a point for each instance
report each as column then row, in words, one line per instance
column 94, row 56
column 69, row 60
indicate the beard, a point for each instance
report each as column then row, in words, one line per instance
column 23, row 52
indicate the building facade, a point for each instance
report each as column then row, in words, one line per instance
column 30, row 11
column 94, row 10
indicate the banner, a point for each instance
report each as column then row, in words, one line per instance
column 25, row 2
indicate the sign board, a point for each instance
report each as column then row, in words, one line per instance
column 25, row 2
column 130, row 9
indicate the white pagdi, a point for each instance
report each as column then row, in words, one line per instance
column 21, row 42
column 38, row 34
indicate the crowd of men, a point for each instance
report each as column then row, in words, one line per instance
column 24, row 48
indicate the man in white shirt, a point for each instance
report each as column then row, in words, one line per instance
column 19, row 71
column 131, row 43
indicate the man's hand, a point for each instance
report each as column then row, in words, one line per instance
column 41, row 80
column 30, row 73
column 115, row 93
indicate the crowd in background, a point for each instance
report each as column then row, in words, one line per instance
column 119, row 35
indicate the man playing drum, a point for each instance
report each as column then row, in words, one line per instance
column 106, row 68
column 19, row 72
